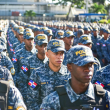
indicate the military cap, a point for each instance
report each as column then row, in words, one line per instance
column 27, row 30
column 48, row 32
column 21, row 31
column 41, row 39
column 80, row 31
column 107, row 31
column 86, row 28
column 43, row 28
column 59, row 34
column 68, row 34
column 84, row 39
column 80, row 55
column 95, row 29
column 36, row 28
column 28, row 35
column 56, row 45
column 80, row 27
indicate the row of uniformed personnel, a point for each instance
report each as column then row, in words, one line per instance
column 28, row 53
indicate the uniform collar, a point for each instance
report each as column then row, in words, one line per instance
column 73, row 96
column 62, row 70
column 44, row 60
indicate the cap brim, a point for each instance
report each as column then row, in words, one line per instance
column 43, row 42
column 29, row 37
column 85, row 61
column 88, row 42
column 57, row 50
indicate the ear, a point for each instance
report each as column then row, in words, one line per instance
column 69, row 66
column 36, row 46
column 79, row 44
column 47, row 54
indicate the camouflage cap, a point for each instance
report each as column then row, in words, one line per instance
column 86, row 28
column 84, row 39
column 95, row 29
column 36, row 28
column 59, row 34
column 56, row 45
column 27, row 30
column 68, row 34
column 21, row 31
column 28, row 35
column 48, row 32
column 80, row 55
column 107, row 31
column 41, row 39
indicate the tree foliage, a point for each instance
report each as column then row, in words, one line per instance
column 74, row 3
column 95, row 8
column 99, row 1
column 30, row 13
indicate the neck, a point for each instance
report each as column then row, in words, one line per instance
column 41, row 57
column 105, row 38
column 78, row 87
column 67, row 47
column 28, row 49
column 53, row 67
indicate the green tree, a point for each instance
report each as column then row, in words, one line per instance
column 77, row 3
column 30, row 13
column 99, row 1
column 95, row 8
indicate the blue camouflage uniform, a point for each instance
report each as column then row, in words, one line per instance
column 43, row 79
column 103, row 77
column 106, row 50
column 6, row 75
column 15, row 100
column 52, row 101
column 31, row 63
column 94, row 40
column 20, row 56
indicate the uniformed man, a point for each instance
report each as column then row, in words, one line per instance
column 79, row 93
column 99, row 47
column 76, row 39
column 45, row 78
column 86, row 41
column 68, row 40
column 10, row 97
column 33, row 62
column 95, row 37
column 23, row 53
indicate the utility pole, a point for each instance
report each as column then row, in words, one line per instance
column 86, row 6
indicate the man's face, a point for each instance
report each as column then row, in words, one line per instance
column 69, row 40
column 42, row 48
column 21, row 38
column 81, row 74
column 95, row 33
column 29, row 42
column 55, row 59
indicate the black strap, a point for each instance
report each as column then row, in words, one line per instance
column 4, row 85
